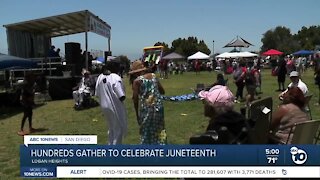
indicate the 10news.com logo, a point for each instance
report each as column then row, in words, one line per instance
column 298, row 156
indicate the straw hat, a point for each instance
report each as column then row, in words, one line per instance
column 137, row 66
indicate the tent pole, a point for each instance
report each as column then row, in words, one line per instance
column 109, row 44
column 86, row 40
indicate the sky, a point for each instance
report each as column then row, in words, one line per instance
column 136, row 24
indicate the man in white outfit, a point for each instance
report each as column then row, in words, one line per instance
column 295, row 82
column 111, row 93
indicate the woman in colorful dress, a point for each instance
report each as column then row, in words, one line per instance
column 147, row 100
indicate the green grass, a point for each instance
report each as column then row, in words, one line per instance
column 59, row 117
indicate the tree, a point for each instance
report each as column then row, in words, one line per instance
column 125, row 62
column 189, row 46
column 308, row 37
column 281, row 39
column 203, row 47
column 176, row 46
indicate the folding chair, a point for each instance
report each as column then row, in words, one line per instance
column 317, row 138
column 307, row 105
column 260, row 114
column 303, row 132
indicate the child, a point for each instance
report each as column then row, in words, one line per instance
column 27, row 101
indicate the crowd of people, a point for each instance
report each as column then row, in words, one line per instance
column 224, row 121
column 225, row 124
column 166, row 68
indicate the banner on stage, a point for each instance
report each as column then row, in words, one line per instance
column 99, row 27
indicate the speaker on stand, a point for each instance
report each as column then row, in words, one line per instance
column 74, row 59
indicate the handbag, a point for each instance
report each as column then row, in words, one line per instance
column 274, row 71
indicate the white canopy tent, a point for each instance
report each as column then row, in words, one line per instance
column 225, row 55
column 198, row 55
column 236, row 55
column 247, row 54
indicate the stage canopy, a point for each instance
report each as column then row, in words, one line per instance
column 199, row 55
column 30, row 39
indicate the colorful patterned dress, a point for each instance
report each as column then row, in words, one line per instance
column 151, row 117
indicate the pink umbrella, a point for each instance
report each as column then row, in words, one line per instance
column 271, row 52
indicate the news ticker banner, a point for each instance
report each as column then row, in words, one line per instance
column 80, row 156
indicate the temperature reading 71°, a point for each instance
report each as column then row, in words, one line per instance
column 272, row 159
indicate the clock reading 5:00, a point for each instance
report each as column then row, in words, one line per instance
column 272, row 151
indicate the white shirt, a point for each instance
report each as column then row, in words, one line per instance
column 301, row 85
column 83, row 87
column 109, row 90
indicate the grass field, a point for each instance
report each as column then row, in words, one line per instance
column 183, row 119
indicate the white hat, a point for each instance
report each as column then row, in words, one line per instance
column 294, row 74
